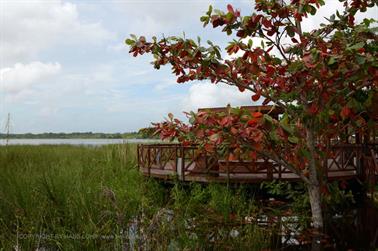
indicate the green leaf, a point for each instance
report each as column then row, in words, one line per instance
column 210, row 10
column 192, row 119
column 273, row 136
column 262, row 44
column 311, row 9
column 129, row 41
column 356, row 46
column 331, row 60
column 305, row 153
column 229, row 16
column 293, row 139
column 290, row 31
column 287, row 128
column 295, row 66
column 204, row 19
column 285, row 119
column 268, row 118
column 360, row 59
column 217, row 52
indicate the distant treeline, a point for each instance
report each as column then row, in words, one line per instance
column 75, row 135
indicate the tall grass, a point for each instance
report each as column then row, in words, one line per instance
column 90, row 198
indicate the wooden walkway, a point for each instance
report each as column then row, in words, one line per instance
column 174, row 161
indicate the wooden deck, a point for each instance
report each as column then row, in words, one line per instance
column 174, row 161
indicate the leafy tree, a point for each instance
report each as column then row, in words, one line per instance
column 325, row 80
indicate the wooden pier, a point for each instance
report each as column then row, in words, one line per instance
column 355, row 157
column 188, row 163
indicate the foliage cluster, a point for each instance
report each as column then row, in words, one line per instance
column 324, row 79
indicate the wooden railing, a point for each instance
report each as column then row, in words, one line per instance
column 175, row 159
column 189, row 163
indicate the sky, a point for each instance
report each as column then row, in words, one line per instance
column 64, row 66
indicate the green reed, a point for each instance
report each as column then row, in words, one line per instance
column 89, row 198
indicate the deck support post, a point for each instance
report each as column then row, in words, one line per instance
column 149, row 161
column 228, row 171
column 182, row 163
column 176, row 160
column 270, row 169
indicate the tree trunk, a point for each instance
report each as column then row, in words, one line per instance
column 314, row 187
column 316, row 209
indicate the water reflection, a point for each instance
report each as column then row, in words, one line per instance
column 354, row 229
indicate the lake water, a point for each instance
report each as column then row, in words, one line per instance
column 92, row 142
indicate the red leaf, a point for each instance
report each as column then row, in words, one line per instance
column 307, row 59
column 253, row 155
column 234, row 130
column 226, row 121
column 313, row 108
column 267, row 23
column 200, row 134
column 231, row 157
column 240, row 33
column 345, row 112
column 258, row 136
column 230, row 9
column 351, row 20
column 256, row 18
column 256, row 97
column 209, row 148
column 270, row 70
column 297, row 16
column 271, row 32
column 186, row 143
column 241, row 88
column 252, row 122
column 257, row 114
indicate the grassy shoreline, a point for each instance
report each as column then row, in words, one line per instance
column 64, row 197
column 74, row 197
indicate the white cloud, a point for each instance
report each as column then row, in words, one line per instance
column 330, row 8
column 157, row 17
column 22, row 77
column 203, row 95
column 28, row 27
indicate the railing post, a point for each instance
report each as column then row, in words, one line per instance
column 206, row 165
column 176, row 160
column 269, row 167
column 325, row 168
column 149, row 161
column 182, row 163
column 228, row 171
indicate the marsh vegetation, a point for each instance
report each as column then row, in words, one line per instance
column 91, row 198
